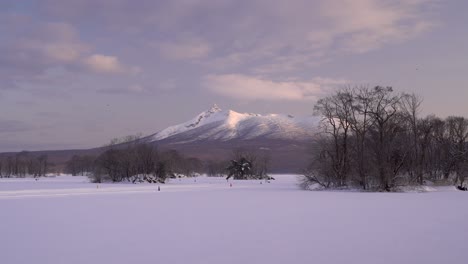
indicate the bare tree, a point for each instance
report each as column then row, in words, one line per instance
column 458, row 134
column 360, row 123
column 411, row 104
column 337, row 115
column 10, row 167
column 216, row 168
column 374, row 137
column 321, row 169
column 424, row 138
column 384, row 109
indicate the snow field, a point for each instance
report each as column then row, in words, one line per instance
column 67, row 220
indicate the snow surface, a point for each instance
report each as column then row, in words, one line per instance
column 68, row 220
column 228, row 124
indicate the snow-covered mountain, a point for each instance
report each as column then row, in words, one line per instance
column 224, row 125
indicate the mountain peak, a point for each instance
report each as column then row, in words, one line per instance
column 217, row 124
column 212, row 115
column 214, row 109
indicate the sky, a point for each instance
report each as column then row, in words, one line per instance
column 75, row 74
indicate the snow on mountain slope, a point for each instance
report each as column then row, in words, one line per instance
column 216, row 124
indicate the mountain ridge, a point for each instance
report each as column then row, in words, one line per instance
column 225, row 125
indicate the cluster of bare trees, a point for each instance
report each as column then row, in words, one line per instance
column 80, row 165
column 134, row 162
column 375, row 138
column 216, row 168
column 23, row 164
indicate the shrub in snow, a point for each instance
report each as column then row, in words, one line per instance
column 239, row 170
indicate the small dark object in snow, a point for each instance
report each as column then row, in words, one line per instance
column 462, row 188
column 159, row 188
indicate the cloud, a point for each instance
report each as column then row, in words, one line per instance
column 129, row 89
column 276, row 36
column 30, row 47
column 41, row 55
column 55, row 42
column 136, row 88
column 363, row 25
column 50, row 43
column 167, row 85
column 7, row 84
column 141, row 88
column 13, row 126
column 65, row 52
column 186, row 49
column 271, row 38
column 243, row 87
column 103, row 64
column 228, row 33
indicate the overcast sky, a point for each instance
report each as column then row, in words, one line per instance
column 74, row 74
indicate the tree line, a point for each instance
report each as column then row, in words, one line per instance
column 129, row 159
column 140, row 162
column 23, row 164
column 137, row 162
column 376, row 139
